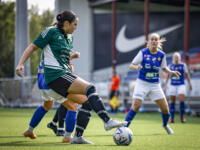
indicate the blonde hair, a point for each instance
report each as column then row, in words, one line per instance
column 178, row 55
column 160, row 40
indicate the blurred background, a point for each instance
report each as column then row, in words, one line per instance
column 109, row 35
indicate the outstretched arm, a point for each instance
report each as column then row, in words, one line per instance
column 135, row 67
column 167, row 70
column 27, row 53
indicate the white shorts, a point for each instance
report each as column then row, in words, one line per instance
column 49, row 95
column 143, row 88
column 175, row 90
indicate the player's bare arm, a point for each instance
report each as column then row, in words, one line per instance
column 27, row 53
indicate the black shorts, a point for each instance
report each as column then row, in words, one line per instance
column 62, row 84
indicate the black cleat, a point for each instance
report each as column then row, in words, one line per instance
column 53, row 127
column 60, row 133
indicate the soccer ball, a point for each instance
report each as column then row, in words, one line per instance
column 123, row 136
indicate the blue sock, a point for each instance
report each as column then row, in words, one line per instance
column 172, row 110
column 129, row 117
column 37, row 116
column 70, row 121
column 182, row 108
column 165, row 118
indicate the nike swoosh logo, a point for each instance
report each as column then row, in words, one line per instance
column 125, row 45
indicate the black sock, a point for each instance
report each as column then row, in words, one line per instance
column 61, row 116
column 96, row 103
column 55, row 118
column 83, row 118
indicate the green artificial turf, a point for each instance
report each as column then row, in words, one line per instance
column 148, row 133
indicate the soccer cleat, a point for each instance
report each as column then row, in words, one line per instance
column 79, row 140
column 114, row 124
column 29, row 134
column 183, row 119
column 168, row 129
column 53, row 127
column 66, row 139
column 172, row 120
column 60, row 133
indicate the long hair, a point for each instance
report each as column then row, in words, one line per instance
column 160, row 40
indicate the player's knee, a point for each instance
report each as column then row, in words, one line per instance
column 47, row 105
column 70, row 105
column 90, row 89
column 136, row 105
column 165, row 110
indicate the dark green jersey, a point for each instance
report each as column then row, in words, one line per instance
column 56, row 52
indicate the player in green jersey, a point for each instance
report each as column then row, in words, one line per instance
column 56, row 43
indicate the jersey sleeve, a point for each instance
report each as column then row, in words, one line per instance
column 43, row 38
column 137, row 59
column 185, row 68
column 164, row 62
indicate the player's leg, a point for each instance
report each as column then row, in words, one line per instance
column 37, row 117
column 70, row 119
column 62, row 112
column 182, row 107
column 172, row 108
column 53, row 124
column 83, row 118
column 140, row 91
column 181, row 95
column 163, row 105
column 172, row 94
column 133, row 111
column 112, row 93
column 77, row 85
column 158, row 96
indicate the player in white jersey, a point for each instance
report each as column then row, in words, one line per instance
column 148, row 62
column 177, row 86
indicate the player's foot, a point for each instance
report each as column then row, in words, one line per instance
column 183, row 119
column 172, row 120
column 80, row 140
column 60, row 133
column 53, row 127
column 66, row 139
column 114, row 124
column 168, row 129
column 29, row 134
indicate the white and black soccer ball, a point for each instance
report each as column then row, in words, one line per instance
column 123, row 136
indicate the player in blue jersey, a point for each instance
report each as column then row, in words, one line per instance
column 148, row 62
column 57, row 44
column 177, row 86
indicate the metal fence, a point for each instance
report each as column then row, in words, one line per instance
column 24, row 92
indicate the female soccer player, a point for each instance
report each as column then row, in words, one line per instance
column 149, row 61
column 48, row 96
column 56, row 43
column 177, row 86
